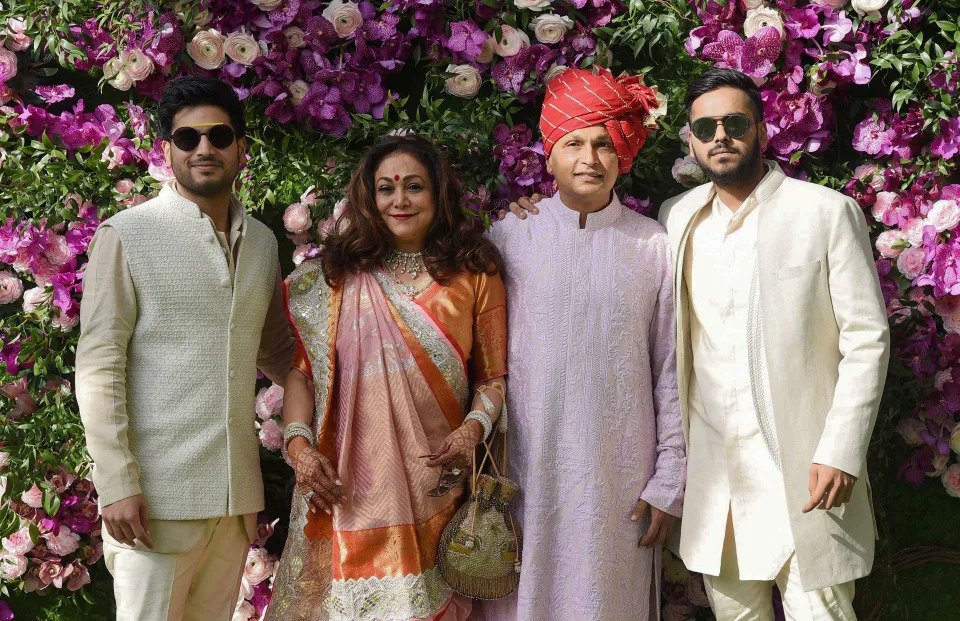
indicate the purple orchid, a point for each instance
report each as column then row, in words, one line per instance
column 755, row 56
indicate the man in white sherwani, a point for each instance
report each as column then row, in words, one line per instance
column 782, row 349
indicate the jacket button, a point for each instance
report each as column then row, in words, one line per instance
column 209, row 237
column 232, row 372
column 225, row 282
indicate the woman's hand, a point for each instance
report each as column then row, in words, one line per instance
column 458, row 448
column 316, row 478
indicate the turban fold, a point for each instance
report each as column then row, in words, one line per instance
column 579, row 98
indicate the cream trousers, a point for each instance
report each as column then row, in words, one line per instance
column 733, row 599
column 192, row 573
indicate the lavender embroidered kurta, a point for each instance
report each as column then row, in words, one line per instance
column 594, row 412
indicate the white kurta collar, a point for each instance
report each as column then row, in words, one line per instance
column 595, row 221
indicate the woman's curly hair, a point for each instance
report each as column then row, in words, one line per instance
column 360, row 238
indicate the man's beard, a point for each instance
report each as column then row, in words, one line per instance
column 739, row 173
column 207, row 187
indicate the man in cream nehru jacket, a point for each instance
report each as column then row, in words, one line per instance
column 181, row 305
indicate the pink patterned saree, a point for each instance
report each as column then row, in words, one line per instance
column 391, row 382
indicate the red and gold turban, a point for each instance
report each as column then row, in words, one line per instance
column 578, row 98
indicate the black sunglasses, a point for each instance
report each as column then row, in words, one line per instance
column 734, row 125
column 188, row 138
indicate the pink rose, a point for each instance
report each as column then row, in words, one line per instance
column 271, row 436
column 139, row 65
column 296, row 218
column 890, row 244
column 300, row 239
column 124, row 186
column 911, row 262
column 15, row 34
column 687, row 172
column 887, row 202
column 8, row 64
column 870, row 172
column 11, row 287
column 912, row 231
column 79, row 576
column 910, row 429
column 304, row 252
column 244, row 612
column 65, row 323
column 161, row 172
column 259, row 566
column 64, row 543
column 12, row 566
column 59, row 252
column 269, row 401
column 33, row 497
column 34, row 298
column 944, row 215
column 18, row 542
column 206, row 49
column 242, row 48
column 951, row 480
column 345, row 17
column 309, row 196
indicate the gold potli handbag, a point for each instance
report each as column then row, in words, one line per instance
column 479, row 552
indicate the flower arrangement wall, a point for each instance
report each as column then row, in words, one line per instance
column 859, row 95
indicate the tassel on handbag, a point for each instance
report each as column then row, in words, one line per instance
column 480, row 549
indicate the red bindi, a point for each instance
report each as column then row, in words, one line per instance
column 396, row 177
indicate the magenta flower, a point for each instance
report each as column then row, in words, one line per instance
column 755, row 56
column 947, row 144
column 57, row 93
column 837, row 27
column 872, row 136
column 465, row 41
column 6, row 614
column 944, row 274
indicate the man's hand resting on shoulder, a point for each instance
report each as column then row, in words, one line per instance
column 522, row 206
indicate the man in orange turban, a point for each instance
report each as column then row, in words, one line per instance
column 596, row 441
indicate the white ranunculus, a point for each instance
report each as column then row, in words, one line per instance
column 345, row 17
column 295, row 36
column 139, row 65
column 206, row 49
column 241, row 47
column 486, row 55
column 761, row 17
column 551, row 28
column 752, row 4
column 298, row 90
column 553, row 72
column 466, row 81
column 267, row 5
column 533, row 5
column 865, row 7
column 511, row 42
column 116, row 73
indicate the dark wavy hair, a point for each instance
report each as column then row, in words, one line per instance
column 194, row 90
column 453, row 244
column 714, row 79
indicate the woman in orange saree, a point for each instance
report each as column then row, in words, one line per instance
column 402, row 325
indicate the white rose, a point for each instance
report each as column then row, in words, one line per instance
column 345, row 17
column 206, row 49
column 466, row 81
column 551, row 28
column 553, row 72
column 294, row 36
column 298, row 90
column 864, row 7
column 533, row 5
column 761, row 17
column 267, row 5
column 944, row 215
column 241, row 47
column 112, row 70
column 511, row 42
column 486, row 55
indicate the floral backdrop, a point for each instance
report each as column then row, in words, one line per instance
column 859, row 95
